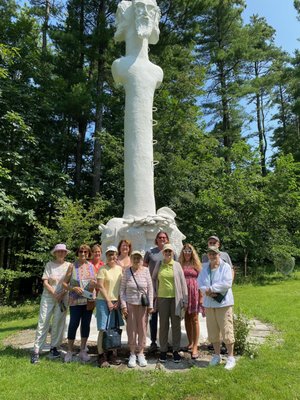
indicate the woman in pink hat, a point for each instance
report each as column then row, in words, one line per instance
column 53, row 304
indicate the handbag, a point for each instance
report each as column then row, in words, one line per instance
column 219, row 297
column 90, row 305
column 112, row 336
column 144, row 297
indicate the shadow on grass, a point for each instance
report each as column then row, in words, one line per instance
column 10, row 351
column 17, row 328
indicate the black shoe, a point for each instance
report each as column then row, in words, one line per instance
column 163, row 357
column 176, row 357
column 54, row 353
column 112, row 358
column 35, row 358
column 153, row 348
column 223, row 349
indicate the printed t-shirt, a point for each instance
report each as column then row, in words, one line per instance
column 166, row 286
column 112, row 281
column 55, row 274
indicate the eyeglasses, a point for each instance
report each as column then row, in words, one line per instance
column 187, row 251
column 212, row 243
column 167, row 251
column 83, row 251
column 161, row 237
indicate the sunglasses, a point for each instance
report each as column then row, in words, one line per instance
column 83, row 251
column 167, row 251
column 162, row 237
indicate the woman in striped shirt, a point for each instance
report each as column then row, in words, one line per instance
column 136, row 281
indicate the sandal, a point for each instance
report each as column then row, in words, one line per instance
column 195, row 356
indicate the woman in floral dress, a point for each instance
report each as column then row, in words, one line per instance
column 191, row 266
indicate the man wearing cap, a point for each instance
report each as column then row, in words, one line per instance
column 215, row 241
column 215, row 281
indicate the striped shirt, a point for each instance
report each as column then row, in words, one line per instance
column 130, row 293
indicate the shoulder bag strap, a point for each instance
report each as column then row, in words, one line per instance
column 135, row 280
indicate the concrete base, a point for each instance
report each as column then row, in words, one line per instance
column 142, row 231
column 94, row 332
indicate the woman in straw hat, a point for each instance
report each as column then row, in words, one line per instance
column 53, row 304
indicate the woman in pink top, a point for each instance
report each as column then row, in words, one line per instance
column 135, row 281
column 124, row 251
column 191, row 266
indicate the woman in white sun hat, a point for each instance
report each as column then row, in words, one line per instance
column 53, row 303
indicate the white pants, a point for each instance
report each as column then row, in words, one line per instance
column 48, row 308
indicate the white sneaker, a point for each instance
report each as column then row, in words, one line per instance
column 132, row 361
column 215, row 360
column 83, row 355
column 142, row 360
column 68, row 357
column 230, row 363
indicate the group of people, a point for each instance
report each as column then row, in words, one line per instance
column 133, row 287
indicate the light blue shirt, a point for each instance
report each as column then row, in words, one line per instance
column 219, row 281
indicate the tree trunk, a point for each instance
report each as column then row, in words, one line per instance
column 82, row 125
column 99, row 105
column 260, row 127
column 245, row 262
column 45, row 26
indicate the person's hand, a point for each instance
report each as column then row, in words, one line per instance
column 57, row 296
column 125, row 312
column 202, row 310
column 78, row 290
column 110, row 305
column 150, row 310
column 93, row 284
column 116, row 305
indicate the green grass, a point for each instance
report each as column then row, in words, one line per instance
column 274, row 374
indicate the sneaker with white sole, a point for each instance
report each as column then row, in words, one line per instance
column 83, row 355
column 142, row 360
column 216, row 360
column 54, row 353
column 34, row 359
column 132, row 361
column 230, row 363
column 68, row 357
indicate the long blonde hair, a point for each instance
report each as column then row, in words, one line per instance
column 195, row 261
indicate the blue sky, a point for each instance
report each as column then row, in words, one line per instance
column 282, row 16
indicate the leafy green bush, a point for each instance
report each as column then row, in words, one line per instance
column 8, row 279
column 241, row 332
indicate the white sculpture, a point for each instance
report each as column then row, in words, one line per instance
column 137, row 25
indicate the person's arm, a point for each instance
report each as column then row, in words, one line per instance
column 149, row 291
column 123, row 295
column 224, row 281
column 202, row 279
column 57, row 296
column 183, row 285
column 146, row 259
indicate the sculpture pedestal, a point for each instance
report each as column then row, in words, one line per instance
column 142, row 231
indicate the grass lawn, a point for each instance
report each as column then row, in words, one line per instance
column 274, row 374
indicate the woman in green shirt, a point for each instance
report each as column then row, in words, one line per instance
column 172, row 297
